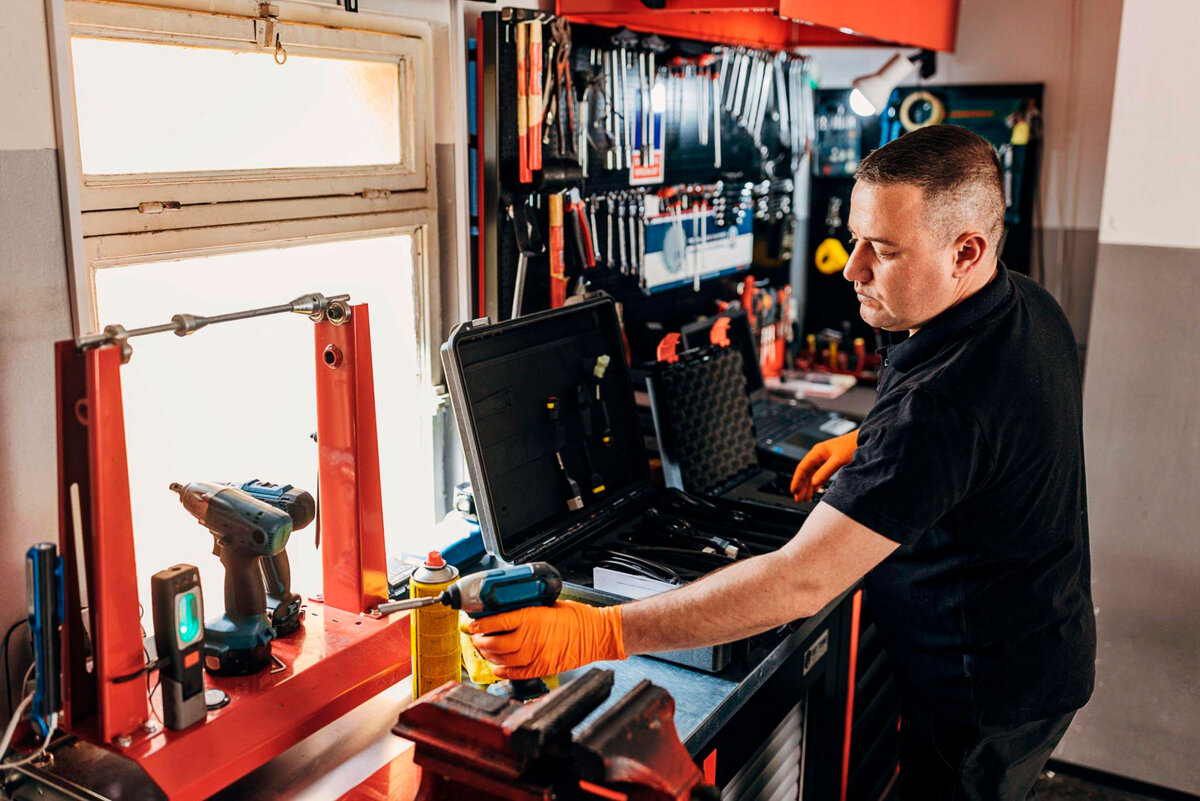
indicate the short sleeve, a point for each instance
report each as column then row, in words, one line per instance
column 918, row 456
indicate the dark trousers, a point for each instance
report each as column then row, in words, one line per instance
column 946, row 759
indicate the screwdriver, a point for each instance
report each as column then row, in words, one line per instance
column 490, row 592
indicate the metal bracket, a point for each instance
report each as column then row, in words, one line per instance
column 264, row 27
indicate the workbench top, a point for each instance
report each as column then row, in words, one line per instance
column 704, row 702
column 358, row 758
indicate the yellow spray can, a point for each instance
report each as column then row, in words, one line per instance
column 434, row 629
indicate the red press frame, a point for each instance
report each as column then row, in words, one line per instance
column 340, row 657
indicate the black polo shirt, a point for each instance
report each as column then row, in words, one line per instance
column 972, row 460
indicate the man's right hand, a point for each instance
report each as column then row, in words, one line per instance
column 822, row 462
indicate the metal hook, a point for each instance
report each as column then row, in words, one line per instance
column 280, row 53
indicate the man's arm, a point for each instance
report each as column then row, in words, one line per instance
column 829, row 553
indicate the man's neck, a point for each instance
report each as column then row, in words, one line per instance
column 965, row 290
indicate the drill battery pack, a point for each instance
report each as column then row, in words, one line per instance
column 546, row 412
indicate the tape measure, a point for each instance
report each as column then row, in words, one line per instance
column 831, row 256
column 937, row 110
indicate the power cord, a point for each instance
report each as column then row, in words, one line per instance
column 52, row 725
column 7, row 680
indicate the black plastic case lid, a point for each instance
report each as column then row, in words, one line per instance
column 502, row 377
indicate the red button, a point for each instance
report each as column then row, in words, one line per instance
column 192, row 659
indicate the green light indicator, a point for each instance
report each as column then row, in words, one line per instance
column 187, row 617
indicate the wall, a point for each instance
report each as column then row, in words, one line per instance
column 34, row 309
column 1021, row 41
column 1142, row 416
column 34, row 301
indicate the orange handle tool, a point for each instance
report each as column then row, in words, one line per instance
column 524, row 174
column 575, row 206
column 558, row 275
column 534, row 115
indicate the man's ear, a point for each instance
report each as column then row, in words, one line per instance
column 969, row 250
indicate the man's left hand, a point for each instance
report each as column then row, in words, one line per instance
column 542, row 641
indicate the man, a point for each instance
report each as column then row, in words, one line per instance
column 961, row 498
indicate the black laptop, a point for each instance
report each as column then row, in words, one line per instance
column 785, row 429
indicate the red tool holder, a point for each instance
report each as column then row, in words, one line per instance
column 339, row 658
column 783, row 24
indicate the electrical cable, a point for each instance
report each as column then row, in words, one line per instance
column 7, row 681
column 681, row 559
column 15, row 718
column 657, row 525
column 642, row 567
column 50, row 728
column 144, row 670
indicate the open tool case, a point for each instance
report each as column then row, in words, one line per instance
column 705, row 429
column 525, row 392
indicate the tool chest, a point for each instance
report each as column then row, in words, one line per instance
column 559, row 470
column 705, row 429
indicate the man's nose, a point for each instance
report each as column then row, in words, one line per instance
column 858, row 268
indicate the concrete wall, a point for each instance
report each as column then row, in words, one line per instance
column 1142, row 416
column 34, row 308
column 1071, row 47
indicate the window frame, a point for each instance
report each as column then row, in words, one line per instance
column 92, row 19
column 106, row 226
column 111, row 218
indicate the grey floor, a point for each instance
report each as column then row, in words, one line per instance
column 1059, row 787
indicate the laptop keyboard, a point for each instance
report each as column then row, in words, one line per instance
column 780, row 420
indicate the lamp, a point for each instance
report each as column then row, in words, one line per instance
column 870, row 92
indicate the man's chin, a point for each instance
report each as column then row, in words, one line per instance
column 878, row 318
column 872, row 316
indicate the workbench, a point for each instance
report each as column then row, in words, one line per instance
column 358, row 758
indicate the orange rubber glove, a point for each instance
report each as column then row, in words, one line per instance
column 544, row 640
column 822, row 462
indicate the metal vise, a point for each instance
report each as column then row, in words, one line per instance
column 470, row 744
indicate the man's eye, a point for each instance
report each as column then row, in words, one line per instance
column 884, row 254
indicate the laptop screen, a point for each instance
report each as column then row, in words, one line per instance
column 695, row 335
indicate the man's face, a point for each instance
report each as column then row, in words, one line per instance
column 903, row 271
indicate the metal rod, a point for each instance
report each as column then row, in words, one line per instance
column 315, row 305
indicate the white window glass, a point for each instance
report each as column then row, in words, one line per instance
column 236, row 401
column 145, row 108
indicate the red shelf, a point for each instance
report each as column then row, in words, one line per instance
column 337, row 661
column 783, row 24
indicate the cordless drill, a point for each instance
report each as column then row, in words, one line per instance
column 282, row 603
column 244, row 529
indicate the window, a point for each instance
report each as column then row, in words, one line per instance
column 213, row 178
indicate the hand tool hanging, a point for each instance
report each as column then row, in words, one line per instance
column 558, row 275
column 525, row 175
column 623, row 40
column 564, row 91
column 529, row 244
column 534, row 113
column 581, row 231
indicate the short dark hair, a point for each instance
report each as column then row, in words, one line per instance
column 958, row 171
